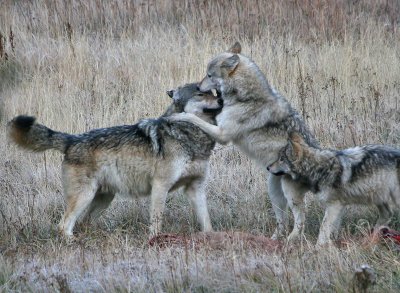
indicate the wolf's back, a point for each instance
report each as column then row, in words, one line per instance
column 25, row 132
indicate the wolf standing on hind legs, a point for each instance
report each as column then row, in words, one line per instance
column 152, row 158
column 257, row 119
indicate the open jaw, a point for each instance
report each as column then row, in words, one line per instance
column 216, row 93
column 279, row 173
column 214, row 111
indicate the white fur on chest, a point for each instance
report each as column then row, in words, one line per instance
column 261, row 148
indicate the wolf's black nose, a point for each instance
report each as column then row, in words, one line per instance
column 268, row 168
column 220, row 102
column 198, row 87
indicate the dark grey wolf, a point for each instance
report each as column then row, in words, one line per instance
column 257, row 119
column 152, row 158
column 367, row 175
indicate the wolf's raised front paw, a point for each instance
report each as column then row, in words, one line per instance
column 177, row 117
column 180, row 117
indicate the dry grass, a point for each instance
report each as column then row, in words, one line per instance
column 78, row 65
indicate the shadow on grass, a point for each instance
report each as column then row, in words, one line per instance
column 10, row 70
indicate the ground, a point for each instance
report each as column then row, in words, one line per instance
column 79, row 65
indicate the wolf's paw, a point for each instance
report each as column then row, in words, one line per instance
column 66, row 239
column 324, row 243
column 294, row 237
column 278, row 234
column 181, row 117
column 62, row 234
column 326, row 246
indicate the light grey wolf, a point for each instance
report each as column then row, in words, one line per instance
column 152, row 158
column 366, row 175
column 257, row 119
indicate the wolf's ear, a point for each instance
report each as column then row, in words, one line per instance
column 231, row 62
column 170, row 93
column 297, row 149
column 236, row 48
column 296, row 142
column 295, row 137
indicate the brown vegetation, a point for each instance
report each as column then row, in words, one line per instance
column 84, row 64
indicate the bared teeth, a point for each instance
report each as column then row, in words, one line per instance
column 214, row 92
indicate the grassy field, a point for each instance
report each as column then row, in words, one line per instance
column 78, row 65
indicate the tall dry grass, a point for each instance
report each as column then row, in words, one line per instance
column 78, row 65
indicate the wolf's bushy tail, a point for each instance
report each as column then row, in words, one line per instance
column 25, row 132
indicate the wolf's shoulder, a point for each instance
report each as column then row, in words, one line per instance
column 296, row 123
column 362, row 160
column 371, row 152
column 188, row 136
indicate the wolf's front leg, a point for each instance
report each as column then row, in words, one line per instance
column 216, row 132
column 294, row 193
column 159, row 193
column 99, row 204
column 331, row 222
column 279, row 205
column 196, row 193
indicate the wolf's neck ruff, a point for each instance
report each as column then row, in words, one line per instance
column 249, row 83
column 319, row 168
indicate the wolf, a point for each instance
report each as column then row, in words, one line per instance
column 258, row 120
column 152, row 157
column 366, row 175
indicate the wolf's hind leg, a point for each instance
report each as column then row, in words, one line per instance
column 98, row 205
column 385, row 214
column 331, row 223
column 79, row 195
column 279, row 204
column 196, row 193
column 159, row 193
